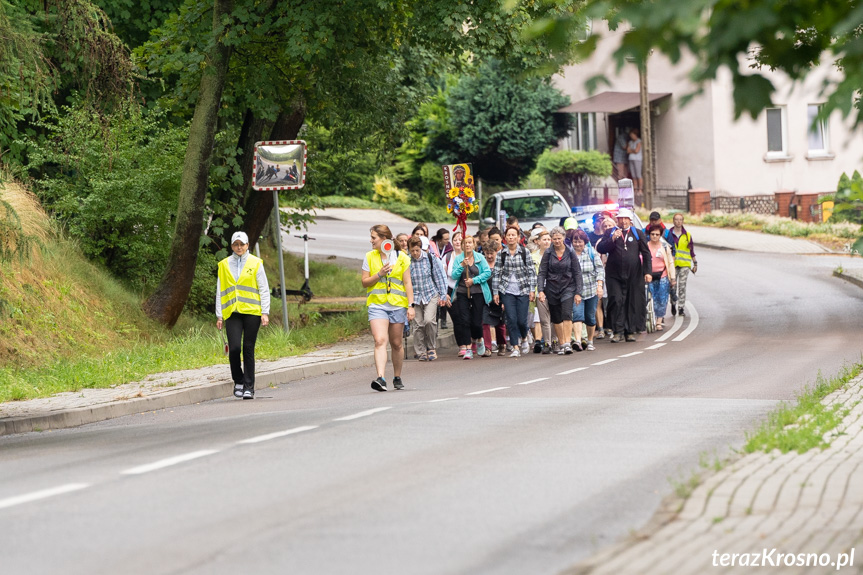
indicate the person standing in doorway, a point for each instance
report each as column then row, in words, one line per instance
column 619, row 155
column 390, row 299
column 636, row 156
column 243, row 306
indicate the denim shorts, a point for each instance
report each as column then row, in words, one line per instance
column 399, row 315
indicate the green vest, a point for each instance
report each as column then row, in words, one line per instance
column 240, row 295
column 390, row 288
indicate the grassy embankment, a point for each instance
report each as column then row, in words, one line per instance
column 836, row 236
column 66, row 324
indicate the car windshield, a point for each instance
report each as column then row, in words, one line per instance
column 535, row 207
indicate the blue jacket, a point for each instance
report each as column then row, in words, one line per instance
column 481, row 279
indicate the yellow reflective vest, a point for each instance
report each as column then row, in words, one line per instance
column 683, row 257
column 240, row 295
column 390, row 288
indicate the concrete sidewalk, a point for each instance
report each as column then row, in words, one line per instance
column 176, row 388
column 727, row 239
column 810, row 503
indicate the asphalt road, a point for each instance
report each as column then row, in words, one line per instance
column 496, row 465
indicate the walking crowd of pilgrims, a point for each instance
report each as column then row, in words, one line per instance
column 547, row 291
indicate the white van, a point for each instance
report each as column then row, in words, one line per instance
column 529, row 206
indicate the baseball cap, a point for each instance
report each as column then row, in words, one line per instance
column 535, row 233
column 655, row 216
column 570, row 223
column 239, row 236
column 624, row 213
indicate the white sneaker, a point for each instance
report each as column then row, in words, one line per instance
column 480, row 347
column 514, row 352
column 525, row 347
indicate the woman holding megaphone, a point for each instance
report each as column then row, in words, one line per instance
column 390, row 299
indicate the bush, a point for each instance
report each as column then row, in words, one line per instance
column 113, row 182
column 387, row 192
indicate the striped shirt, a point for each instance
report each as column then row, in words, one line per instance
column 514, row 266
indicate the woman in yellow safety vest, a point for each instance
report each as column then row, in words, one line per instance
column 243, row 305
column 387, row 279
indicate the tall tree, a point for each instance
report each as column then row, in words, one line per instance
column 166, row 303
column 332, row 61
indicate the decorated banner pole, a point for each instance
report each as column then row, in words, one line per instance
column 461, row 201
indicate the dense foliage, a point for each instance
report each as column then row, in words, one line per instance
column 573, row 172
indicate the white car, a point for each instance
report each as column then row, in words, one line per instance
column 545, row 206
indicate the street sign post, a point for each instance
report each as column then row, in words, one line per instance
column 280, row 165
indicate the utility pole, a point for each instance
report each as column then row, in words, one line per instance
column 648, row 179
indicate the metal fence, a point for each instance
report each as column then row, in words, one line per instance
column 761, row 204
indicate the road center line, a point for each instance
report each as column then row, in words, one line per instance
column 168, row 462
column 532, row 381
column 439, row 400
column 567, row 372
column 43, row 494
column 277, row 434
column 655, row 346
column 363, row 414
column 603, row 362
column 486, row 390
column 631, row 354
column 678, row 323
column 693, row 323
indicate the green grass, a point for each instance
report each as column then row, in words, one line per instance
column 803, row 425
column 195, row 347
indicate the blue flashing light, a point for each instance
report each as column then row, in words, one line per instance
column 594, row 208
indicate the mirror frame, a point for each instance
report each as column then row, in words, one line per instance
column 301, row 172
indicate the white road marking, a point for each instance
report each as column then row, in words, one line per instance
column 678, row 323
column 45, row 493
column 277, row 434
column 486, row 390
column 571, row 371
column 168, row 462
column 631, row 354
column 532, row 381
column 444, row 399
column 603, row 362
column 693, row 323
column 655, row 346
column 363, row 414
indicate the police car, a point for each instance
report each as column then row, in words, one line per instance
column 545, row 206
column 584, row 215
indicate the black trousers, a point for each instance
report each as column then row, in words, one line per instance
column 467, row 317
column 627, row 305
column 242, row 329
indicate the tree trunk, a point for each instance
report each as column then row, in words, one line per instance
column 166, row 303
column 259, row 205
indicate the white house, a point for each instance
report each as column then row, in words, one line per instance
column 701, row 140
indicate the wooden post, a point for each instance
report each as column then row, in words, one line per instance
column 648, row 183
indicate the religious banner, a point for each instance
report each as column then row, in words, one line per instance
column 461, row 202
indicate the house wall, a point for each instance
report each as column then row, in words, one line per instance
column 741, row 147
column 703, row 141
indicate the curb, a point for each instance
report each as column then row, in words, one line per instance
column 849, row 278
column 179, row 398
column 208, row 392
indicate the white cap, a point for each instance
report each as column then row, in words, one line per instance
column 239, row 236
column 624, row 213
column 425, row 242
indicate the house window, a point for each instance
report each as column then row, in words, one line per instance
column 583, row 135
column 817, row 127
column 777, row 134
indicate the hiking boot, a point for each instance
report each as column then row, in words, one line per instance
column 503, row 349
column 600, row 334
column 630, row 337
column 609, row 333
column 546, row 349
column 681, row 313
column 617, row 338
column 397, row 383
column 380, row 384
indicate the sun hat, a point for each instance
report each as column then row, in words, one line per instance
column 239, row 236
column 624, row 213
